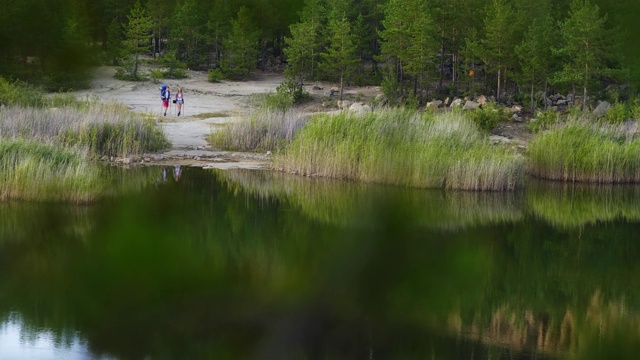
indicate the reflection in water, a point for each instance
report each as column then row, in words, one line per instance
column 259, row 265
column 18, row 342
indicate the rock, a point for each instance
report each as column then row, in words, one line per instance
column 601, row 109
column 434, row 104
column 497, row 139
column 630, row 127
column 481, row 100
column 447, row 102
column 456, row 103
column 316, row 87
column 517, row 118
column 562, row 102
column 328, row 93
column 147, row 159
column 516, row 109
column 570, row 97
column 268, row 153
column 549, row 102
column 471, row 105
column 104, row 158
column 359, row 108
column 343, row 104
column 111, row 158
column 126, row 161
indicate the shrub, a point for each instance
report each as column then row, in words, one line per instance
column 216, row 75
column 617, row 113
column 489, row 116
column 544, row 120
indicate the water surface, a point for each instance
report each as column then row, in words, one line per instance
column 256, row 265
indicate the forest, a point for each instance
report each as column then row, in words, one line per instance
column 417, row 50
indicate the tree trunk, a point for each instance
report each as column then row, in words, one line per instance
column 341, row 85
column 586, row 80
column 498, row 92
column 532, row 101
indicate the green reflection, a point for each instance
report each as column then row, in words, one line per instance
column 211, row 267
column 569, row 205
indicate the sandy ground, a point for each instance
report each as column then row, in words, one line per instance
column 206, row 105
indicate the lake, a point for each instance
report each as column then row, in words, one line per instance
column 260, row 265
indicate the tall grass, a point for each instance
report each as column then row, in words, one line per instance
column 586, row 151
column 105, row 129
column 33, row 170
column 402, row 147
column 260, row 130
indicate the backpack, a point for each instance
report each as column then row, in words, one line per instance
column 163, row 92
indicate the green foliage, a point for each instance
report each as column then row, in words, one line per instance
column 402, row 148
column 137, row 34
column 339, row 60
column 544, row 120
column 585, row 47
column 216, row 75
column 489, row 116
column 176, row 69
column 618, row 113
column 19, row 93
column 241, row 46
column 303, row 46
column 583, row 151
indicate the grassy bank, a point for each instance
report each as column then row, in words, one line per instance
column 105, row 129
column 404, row 148
column 586, row 151
column 261, row 130
column 33, row 170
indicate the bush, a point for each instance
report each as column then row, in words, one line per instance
column 216, row 75
column 617, row 113
column 489, row 116
column 287, row 94
column 544, row 120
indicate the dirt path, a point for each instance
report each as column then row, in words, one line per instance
column 206, row 105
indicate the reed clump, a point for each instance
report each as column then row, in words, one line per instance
column 586, row 151
column 260, row 130
column 39, row 171
column 402, row 147
column 105, row 129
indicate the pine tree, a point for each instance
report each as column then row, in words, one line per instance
column 138, row 36
column 499, row 40
column 340, row 58
column 535, row 55
column 241, row 45
column 585, row 48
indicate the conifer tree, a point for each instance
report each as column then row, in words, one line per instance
column 241, row 45
column 340, row 60
column 499, row 40
column 535, row 55
column 585, row 49
column 138, row 37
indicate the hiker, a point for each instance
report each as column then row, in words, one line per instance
column 177, row 172
column 179, row 100
column 165, row 96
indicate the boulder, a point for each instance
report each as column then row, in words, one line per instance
column 471, row 105
column 447, row 102
column 562, row 102
column 481, row 100
column 456, row 103
column 601, row 109
column 359, row 108
column 344, row 104
column 434, row 104
column 517, row 118
column 516, row 109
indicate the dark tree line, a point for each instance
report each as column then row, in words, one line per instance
column 415, row 49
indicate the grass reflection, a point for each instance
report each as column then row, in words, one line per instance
column 571, row 205
column 341, row 203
